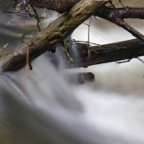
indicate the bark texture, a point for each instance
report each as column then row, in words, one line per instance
column 60, row 6
column 125, row 50
column 109, row 52
column 50, row 36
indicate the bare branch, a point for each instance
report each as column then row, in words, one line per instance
column 115, row 17
column 109, row 52
column 50, row 36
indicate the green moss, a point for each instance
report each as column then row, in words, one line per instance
column 42, row 22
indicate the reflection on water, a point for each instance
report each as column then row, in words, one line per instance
column 51, row 110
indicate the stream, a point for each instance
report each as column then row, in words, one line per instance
column 47, row 108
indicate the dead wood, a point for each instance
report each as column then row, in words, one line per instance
column 50, row 36
column 59, row 29
column 108, row 53
column 114, row 16
column 111, row 14
column 125, row 50
column 60, row 6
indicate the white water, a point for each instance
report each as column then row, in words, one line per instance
column 51, row 109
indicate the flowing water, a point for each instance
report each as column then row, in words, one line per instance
column 49, row 109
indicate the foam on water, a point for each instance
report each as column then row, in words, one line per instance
column 51, row 109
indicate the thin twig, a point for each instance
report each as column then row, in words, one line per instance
column 4, row 47
column 140, row 60
column 121, row 3
column 120, row 62
column 36, row 17
column 28, row 64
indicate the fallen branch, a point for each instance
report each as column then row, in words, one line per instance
column 120, row 51
column 60, row 6
column 125, row 12
column 114, row 16
column 108, row 53
column 111, row 14
column 50, row 36
column 58, row 30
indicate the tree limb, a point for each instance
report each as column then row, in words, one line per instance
column 60, row 6
column 58, row 30
column 50, row 36
column 125, row 50
column 125, row 12
column 108, row 53
column 111, row 14
column 114, row 16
